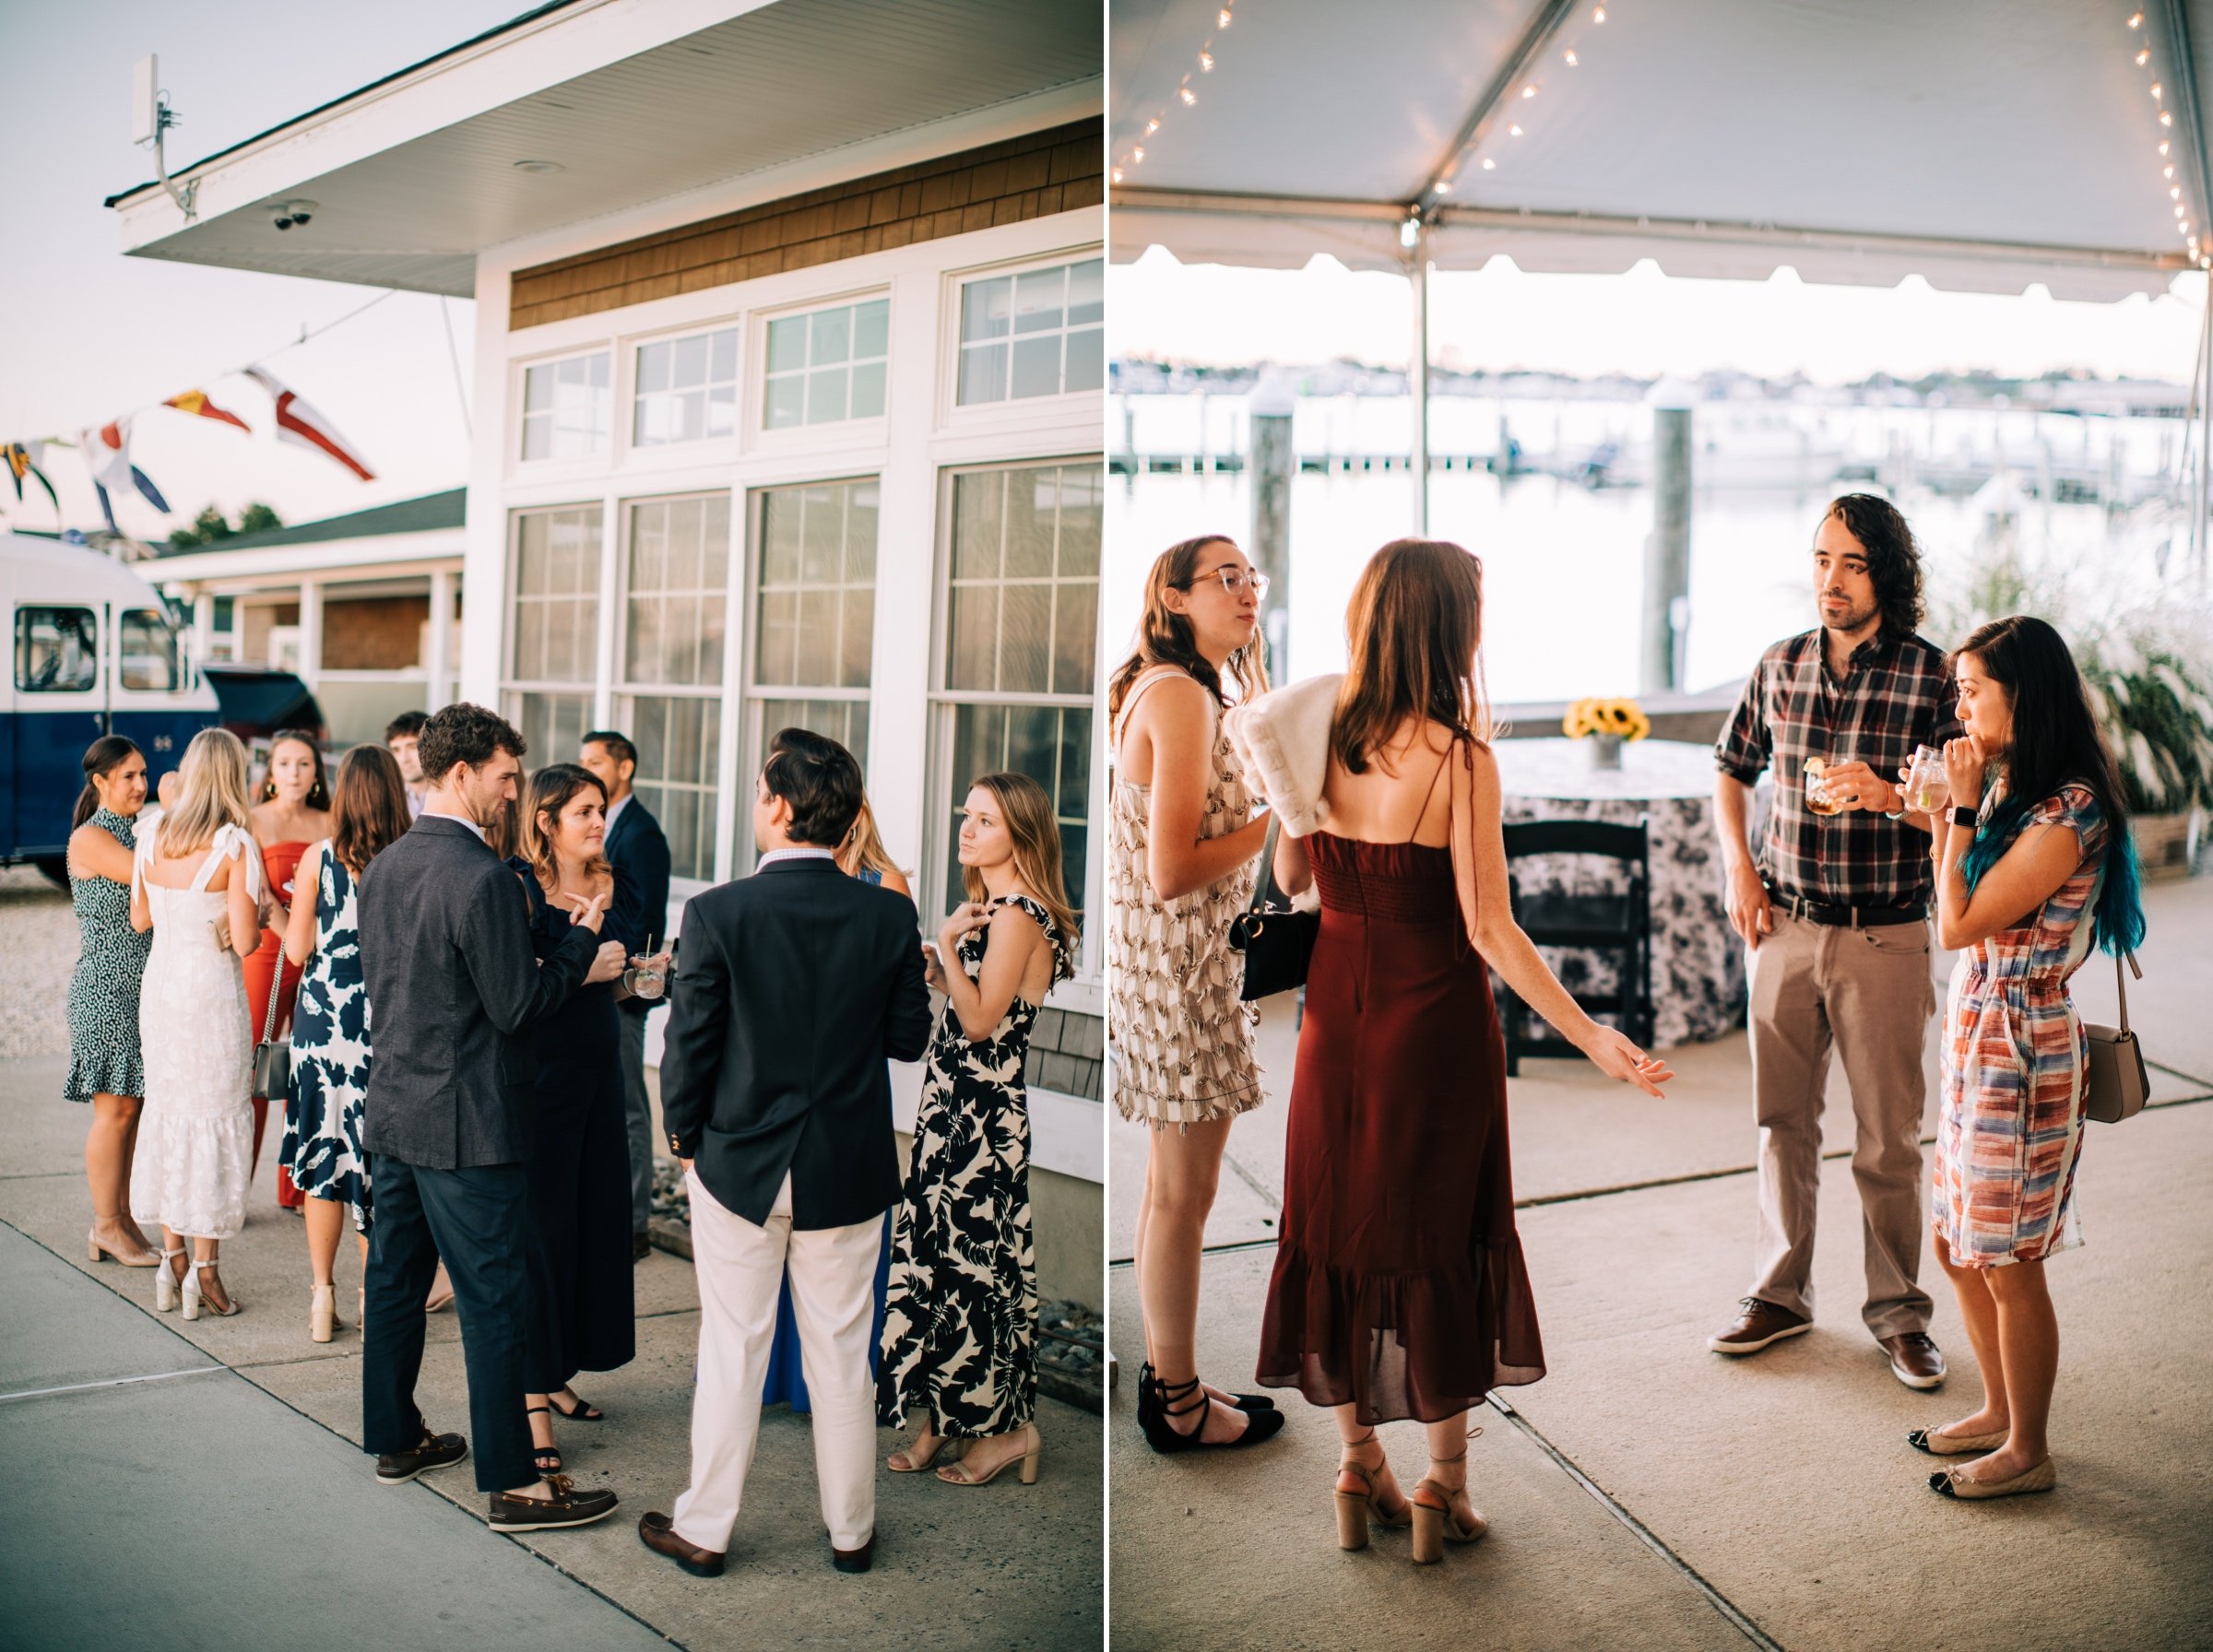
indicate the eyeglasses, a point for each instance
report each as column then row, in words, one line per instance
column 1234, row 580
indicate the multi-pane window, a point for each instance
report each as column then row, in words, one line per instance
column 675, row 603
column 565, row 408
column 553, row 639
column 827, row 365
column 1020, row 645
column 150, row 655
column 686, row 389
column 815, row 616
column 56, row 651
column 1040, row 332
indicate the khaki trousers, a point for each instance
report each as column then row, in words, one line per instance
column 1867, row 993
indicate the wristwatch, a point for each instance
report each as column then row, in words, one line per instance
column 1960, row 814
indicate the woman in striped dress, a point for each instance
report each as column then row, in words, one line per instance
column 2032, row 873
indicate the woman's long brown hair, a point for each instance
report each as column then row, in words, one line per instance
column 1166, row 638
column 1028, row 813
column 1416, row 624
column 368, row 807
column 551, row 789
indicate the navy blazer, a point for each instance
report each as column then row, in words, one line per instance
column 798, row 984
column 635, row 845
column 454, row 987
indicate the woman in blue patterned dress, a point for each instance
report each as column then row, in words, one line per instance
column 330, row 1020
column 2032, row 874
column 960, row 1321
column 104, row 1065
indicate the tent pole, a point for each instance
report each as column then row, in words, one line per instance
column 1417, row 379
column 2205, row 437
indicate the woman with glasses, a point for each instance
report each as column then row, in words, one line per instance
column 1183, row 837
column 290, row 811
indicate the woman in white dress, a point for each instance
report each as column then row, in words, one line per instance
column 196, row 884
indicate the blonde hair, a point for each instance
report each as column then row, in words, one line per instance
column 1028, row 813
column 211, row 793
column 863, row 851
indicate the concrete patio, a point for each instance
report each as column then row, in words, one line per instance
column 1648, row 1494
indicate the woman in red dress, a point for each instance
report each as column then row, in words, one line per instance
column 291, row 811
column 1398, row 1289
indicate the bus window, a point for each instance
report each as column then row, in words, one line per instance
column 149, row 653
column 56, row 651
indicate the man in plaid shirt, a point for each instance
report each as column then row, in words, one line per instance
column 1833, row 911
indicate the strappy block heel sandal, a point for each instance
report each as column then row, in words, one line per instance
column 1358, row 1510
column 168, row 1288
column 1435, row 1524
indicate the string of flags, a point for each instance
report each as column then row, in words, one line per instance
column 106, row 451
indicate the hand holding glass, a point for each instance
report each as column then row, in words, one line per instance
column 1926, row 788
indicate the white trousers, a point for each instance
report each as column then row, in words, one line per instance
column 740, row 1269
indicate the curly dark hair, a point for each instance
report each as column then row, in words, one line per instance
column 469, row 734
column 1893, row 558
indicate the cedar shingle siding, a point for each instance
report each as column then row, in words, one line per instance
column 1032, row 176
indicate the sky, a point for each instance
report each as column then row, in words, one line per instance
column 87, row 333
column 1642, row 322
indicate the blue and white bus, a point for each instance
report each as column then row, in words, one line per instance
column 94, row 652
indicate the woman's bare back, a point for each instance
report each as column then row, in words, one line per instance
column 1400, row 796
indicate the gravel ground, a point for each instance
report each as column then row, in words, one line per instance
column 38, row 953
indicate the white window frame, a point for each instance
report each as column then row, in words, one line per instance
column 513, row 687
column 692, row 449
column 520, row 390
column 1082, row 993
column 1014, row 414
column 871, row 431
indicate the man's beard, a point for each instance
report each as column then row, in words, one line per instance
column 1854, row 618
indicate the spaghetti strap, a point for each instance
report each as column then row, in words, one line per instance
column 1423, row 812
column 1146, row 678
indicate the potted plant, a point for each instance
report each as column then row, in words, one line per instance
column 1606, row 723
column 2154, row 700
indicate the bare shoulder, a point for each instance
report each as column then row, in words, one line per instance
column 1174, row 699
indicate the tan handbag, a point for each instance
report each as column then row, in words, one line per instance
column 2117, row 1084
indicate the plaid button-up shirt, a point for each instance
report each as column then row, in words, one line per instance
column 1895, row 695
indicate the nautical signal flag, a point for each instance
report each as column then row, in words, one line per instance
column 108, row 456
column 22, row 460
column 303, row 427
column 195, row 402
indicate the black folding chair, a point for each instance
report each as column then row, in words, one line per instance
column 1619, row 924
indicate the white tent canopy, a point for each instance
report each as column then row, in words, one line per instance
column 1984, row 144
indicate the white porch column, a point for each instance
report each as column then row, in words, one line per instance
column 311, row 632
column 437, row 667
column 203, row 626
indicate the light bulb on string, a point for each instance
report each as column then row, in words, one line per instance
column 2166, row 119
column 1117, row 174
column 1572, row 59
column 1599, row 15
column 1206, row 63
column 1513, row 132
column 2136, row 21
column 2158, row 91
column 2143, row 57
column 1152, row 126
column 1443, row 186
column 1529, row 91
column 2166, row 171
column 1221, row 19
column 1489, row 165
column 1188, row 95
column 1137, row 157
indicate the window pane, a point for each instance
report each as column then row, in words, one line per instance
column 653, row 368
column 691, row 367
column 984, row 309
column 537, row 389
column 1038, row 299
column 777, row 648
column 971, row 652
column 787, row 344
column 722, row 410
column 817, row 585
column 552, row 726
column 1082, row 490
column 786, row 403
column 676, row 777
column 723, row 368
column 557, row 595
column 1025, row 639
column 1036, row 366
column 1086, row 360
column 537, row 436
column 677, row 600
column 868, row 391
column 1031, row 495
column 871, row 329
column 1075, row 627
column 56, row 651
column 978, row 519
column 830, row 337
column 1087, row 293
column 861, row 533
column 983, row 373
column 826, row 395
column 857, row 638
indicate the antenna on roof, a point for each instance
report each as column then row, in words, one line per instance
column 150, row 117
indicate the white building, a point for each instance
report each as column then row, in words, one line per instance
column 789, row 405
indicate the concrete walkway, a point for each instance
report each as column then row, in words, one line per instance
column 233, row 1508
column 1648, row 1494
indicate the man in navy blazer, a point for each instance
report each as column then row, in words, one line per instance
column 798, row 983
column 636, row 845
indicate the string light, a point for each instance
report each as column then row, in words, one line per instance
column 1206, row 63
column 1599, row 15
column 1184, row 95
column 1529, row 91
column 1117, row 174
column 1513, row 132
column 2158, row 91
column 2136, row 21
column 1572, row 59
column 2166, row 119
column 1151, row 127
column 2143, row 57
column 1489, row 165
column 1188, row 95
column 1222, row 20
column 1136, row 158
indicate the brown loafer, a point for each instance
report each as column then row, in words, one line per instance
column 565, row 1506
column 853, row 1560
column 1914, row 1360
column 1758, row 1325
column 437, row 1451
column 657, row 1532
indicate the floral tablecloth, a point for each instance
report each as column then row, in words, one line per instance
column 1697, row 962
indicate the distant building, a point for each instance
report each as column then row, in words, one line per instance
column 788, row 401
column 346, row 603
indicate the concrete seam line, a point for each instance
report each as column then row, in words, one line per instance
column 1714, row 1598
column 112, row 1382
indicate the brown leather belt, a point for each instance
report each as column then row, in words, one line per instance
column 1846, row 918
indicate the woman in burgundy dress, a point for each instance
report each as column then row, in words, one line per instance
column 1399, row 1288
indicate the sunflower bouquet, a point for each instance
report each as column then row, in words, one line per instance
column 1621, row 719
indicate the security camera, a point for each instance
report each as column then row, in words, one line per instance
column 285, row 215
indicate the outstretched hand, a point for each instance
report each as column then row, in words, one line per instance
column 591, row 910
column 1617, row 1058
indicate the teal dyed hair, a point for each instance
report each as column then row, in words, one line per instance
column 2117, row 922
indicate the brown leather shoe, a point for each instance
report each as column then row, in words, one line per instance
column 657, row 1532
column 1914, row 1360
column 640, row 1247
column 437, row 1451
column 853, row 1560
column 565, row 1506
column 1760, row 1324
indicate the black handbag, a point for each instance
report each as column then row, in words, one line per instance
column 272, row 1060
column 1277, row 941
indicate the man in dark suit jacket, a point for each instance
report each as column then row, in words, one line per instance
column 452, row 984
column 634, row 844
column 797, row 984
